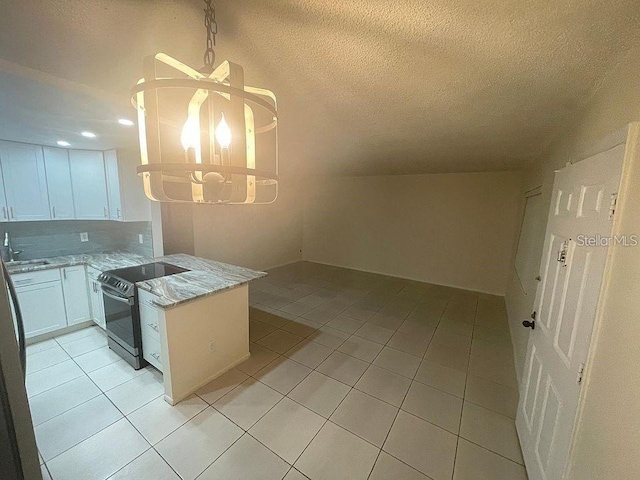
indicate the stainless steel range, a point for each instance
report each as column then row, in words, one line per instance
column 121, row 307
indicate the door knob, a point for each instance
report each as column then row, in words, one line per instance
column 529, row 324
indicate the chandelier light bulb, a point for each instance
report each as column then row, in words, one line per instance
column 190, row 133
column 223, row 133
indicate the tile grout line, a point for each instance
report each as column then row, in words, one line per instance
column 333, row 350
column 92, row 435
column 391, row 428
column 455, row 457
column 124, row 417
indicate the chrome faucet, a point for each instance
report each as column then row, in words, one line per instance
column 8, row 253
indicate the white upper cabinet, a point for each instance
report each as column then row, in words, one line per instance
column 56, row 162
column 25, row 182
column 47, row 183
column 89, row 185
column 127, row 201
column 113, row 185
column 4, row 211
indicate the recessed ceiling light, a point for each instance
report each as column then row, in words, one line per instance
column 63, row 143
column 89, row 134
column 126, row 122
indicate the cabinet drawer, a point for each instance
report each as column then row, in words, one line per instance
column 149, row 318
column 149, row 323
column 151, row 351
column 34, row 278
column 93, row 273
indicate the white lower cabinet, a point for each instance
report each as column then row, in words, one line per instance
column 149, row 325
column 52, row 299
column 95, row 298
column 41, row 303
column 76, row 297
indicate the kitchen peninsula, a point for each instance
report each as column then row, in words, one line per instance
column 194, row 324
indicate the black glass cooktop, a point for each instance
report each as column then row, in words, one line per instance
column 146, row 272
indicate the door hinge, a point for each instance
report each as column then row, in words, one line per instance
column 613, row 206
column 581, row 373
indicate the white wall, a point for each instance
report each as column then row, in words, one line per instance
column 607, row 442
column 447, row 229
column 253, row 236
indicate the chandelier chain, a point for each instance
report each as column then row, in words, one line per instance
column 211, row 25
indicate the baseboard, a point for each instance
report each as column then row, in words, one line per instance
column 62, row 331
column 376, row 272
column 173, row 401
column 283, row 265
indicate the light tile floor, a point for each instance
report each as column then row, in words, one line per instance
column 352, row 375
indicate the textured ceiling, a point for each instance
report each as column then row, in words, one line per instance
column 364, row 87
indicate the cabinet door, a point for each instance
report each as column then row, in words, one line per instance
column 56, row 162
column 89, row 185
column 76, row 296
column 4, row 211
column 97, row 304
column 42, row 308
column 25, row 182
column 113, row 185
column 126, row 189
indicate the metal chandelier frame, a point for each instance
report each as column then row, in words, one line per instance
column 216, row 173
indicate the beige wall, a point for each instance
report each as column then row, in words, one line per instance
column 254, row 236
column 447, row 229
column 607, row 442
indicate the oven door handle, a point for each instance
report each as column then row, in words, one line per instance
column 127, row 301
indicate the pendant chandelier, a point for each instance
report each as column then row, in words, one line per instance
column 205, row 137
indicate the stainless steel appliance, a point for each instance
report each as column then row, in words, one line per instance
column 18, row 452
column 121, row 307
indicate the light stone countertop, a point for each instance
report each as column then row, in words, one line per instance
column 206, row 277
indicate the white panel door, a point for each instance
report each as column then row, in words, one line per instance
column 42, row 308
column 25, row 182
column 113, row 185
column 56, row 162
column 572, row 271
column 76, row 295
column 89, row 185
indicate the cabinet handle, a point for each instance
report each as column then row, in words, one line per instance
column 106, row 213
column 23, row 281
column 11, row 212
column 64, row 273
column 118, row 212
column 53, row 210
column 156, row 356
column 4, row 212
column 155, row 327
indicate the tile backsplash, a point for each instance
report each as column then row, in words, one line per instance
column 50, row 239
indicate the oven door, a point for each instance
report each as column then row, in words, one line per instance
column 123, row 324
